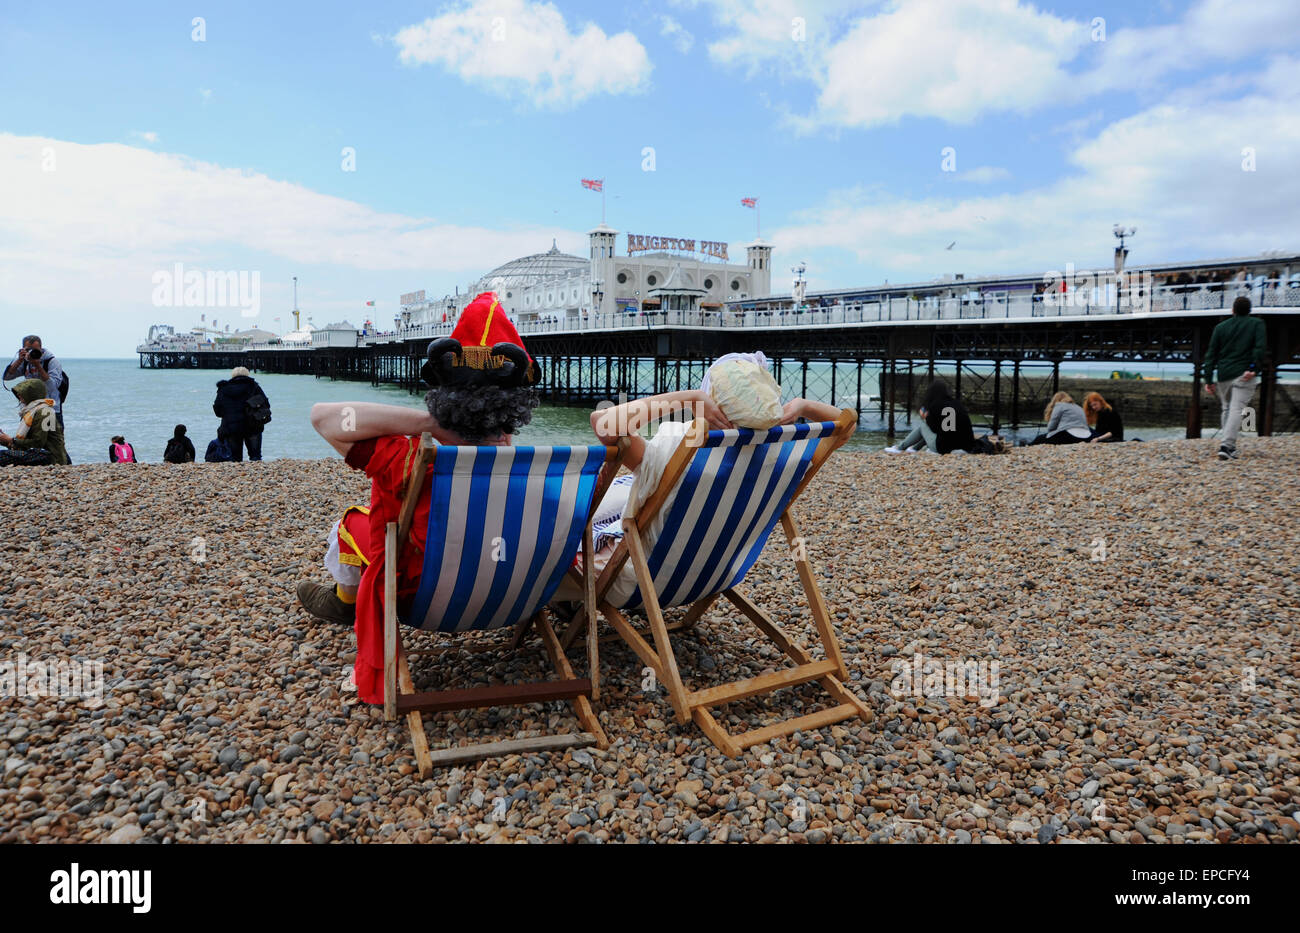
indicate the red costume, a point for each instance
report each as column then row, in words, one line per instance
column 388, row 462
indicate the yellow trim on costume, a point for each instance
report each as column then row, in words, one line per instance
column 356, row 559
column 487, row 325
column 348, row 598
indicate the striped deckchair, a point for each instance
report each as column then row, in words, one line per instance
column 504, row 528
column 723, row 493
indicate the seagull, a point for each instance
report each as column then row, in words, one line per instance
column 951, row 245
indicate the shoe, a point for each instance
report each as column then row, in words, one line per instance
column 1227, row 453
column 893, row 450
column 321, row 601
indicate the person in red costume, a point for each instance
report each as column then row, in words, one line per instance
column 482, row 392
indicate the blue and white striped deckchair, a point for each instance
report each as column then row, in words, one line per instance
column 722, row 493
column 504, row 527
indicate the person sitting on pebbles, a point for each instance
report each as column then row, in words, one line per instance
column 483, row 392
column 39, row 438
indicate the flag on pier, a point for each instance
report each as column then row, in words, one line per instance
column 370, row 304
column 758, row 215
column 594, row 184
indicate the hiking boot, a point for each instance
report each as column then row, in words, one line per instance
column 321, row 601
column 1227, row 453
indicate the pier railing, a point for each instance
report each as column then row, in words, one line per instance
column 1162, row 300
column 1097, row 303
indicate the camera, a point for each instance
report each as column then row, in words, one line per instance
column 33, row 354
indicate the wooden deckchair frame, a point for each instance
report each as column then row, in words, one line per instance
column 400, row 696
column 689, row 705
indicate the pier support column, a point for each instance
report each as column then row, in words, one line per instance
column 997, row 395
column 1194, row 410
column 1015, row 395
column 893, row 380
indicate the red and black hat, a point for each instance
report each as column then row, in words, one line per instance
column 484, row 349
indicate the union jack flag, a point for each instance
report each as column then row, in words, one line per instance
column 594, row 184
column 749, row 202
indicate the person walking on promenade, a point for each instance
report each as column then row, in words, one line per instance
column 244, row 411
column 1236, row 351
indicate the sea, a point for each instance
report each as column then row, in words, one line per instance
column 115, row 396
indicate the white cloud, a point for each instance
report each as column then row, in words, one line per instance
column 945, row 59
column 956, row 60
column 84, row 239
column 148, row 136
column 1173, row 170
column 682, row 39
column 526, row 49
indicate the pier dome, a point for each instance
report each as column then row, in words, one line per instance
column 530, row 270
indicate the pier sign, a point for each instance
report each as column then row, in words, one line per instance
column 412, row 298
column 640, row 243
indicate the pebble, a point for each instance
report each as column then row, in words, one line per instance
column 219, row 688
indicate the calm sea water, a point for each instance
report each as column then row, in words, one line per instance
column 111, row 397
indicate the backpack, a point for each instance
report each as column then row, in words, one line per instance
column 124, row 453
column 63, row 389
column 257, row 409
column 176, row 452
column 218, row 451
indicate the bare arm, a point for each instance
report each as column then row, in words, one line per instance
column 807, row 408
column 343, row 424
column 627, row 419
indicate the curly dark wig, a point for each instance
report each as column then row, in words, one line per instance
column 479, row 413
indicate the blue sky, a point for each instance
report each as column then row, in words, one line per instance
column 126, row 146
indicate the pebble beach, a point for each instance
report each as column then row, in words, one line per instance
column 1136, row 604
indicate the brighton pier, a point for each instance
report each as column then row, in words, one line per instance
column 1004, row 338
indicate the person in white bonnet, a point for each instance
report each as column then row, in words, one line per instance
column 737, row 391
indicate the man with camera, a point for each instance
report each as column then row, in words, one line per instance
column 33, row 361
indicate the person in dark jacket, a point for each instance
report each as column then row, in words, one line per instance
column 1103, row 419
column 1236, row 350
column 180, row 449
column 944, row 425
column 231, row 406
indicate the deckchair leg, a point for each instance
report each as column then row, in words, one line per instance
column 663, row 647
column 581, row 704
column 698, row 608
column 830, row 643
column 589, row 608
column 414, row 719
